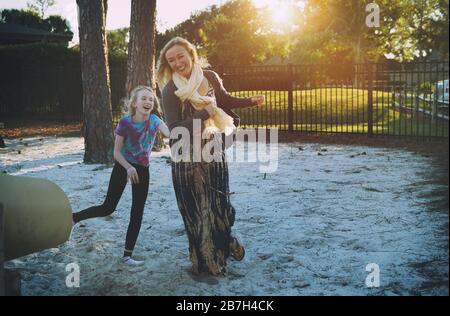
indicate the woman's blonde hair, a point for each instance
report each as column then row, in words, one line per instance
column 131, row 101
column 163, row 70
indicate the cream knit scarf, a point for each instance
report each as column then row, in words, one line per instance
column 187, row 90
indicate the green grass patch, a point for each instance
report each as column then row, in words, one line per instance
column 339, row 110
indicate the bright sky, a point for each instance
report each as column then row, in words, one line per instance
column 169, row 12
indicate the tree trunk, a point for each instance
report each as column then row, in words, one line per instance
column 141, row 50
column 141, row 56
column 97, row 127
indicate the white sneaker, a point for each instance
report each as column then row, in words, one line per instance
column 131, row 262
column 71, row 230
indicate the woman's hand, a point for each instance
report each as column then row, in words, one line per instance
column 258, row 100
column 210, row 109
column 132, row 175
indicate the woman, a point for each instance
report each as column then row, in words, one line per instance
column 201, row 188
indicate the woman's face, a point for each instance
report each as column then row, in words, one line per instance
column 144, row 102
column 180, row 61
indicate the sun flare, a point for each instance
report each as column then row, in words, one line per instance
column 280, row 15
column 279, row 12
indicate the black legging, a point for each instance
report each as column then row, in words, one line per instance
column 117, row 184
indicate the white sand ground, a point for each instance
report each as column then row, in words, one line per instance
column 310, row 228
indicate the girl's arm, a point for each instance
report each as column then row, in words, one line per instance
column 131, row 171
column 164, row 129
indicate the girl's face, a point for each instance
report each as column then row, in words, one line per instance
column 180, row 61
column 144, row 102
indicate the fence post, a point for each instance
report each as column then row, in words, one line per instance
column 290, row 98
column 370, row 98
column 434, row 108
column 416, row 103
column 2, row 255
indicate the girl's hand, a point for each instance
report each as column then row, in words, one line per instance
column 132, row 175
column 164, row 129
column 258, row 100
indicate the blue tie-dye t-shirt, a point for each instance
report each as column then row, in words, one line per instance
column 138, row 138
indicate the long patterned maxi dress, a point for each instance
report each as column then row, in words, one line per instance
column 202, row 192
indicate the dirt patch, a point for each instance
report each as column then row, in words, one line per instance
column 27, row 128
column 24, row 128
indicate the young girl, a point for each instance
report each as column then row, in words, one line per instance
column 135, row 136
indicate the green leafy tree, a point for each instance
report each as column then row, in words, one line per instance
column 22, row 17
column 408, row 30
column 414, row 29
column 118, row 41
column 53, row 24
column 236, row 33
column 333, row 27
column 58, row 24
column 40, row 6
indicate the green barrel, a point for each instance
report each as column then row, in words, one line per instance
column 37, row 215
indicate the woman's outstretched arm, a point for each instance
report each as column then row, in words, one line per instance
column 231, row 102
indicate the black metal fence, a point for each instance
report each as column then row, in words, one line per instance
column 408, row 99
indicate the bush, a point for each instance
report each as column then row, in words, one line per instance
column 425, row 87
